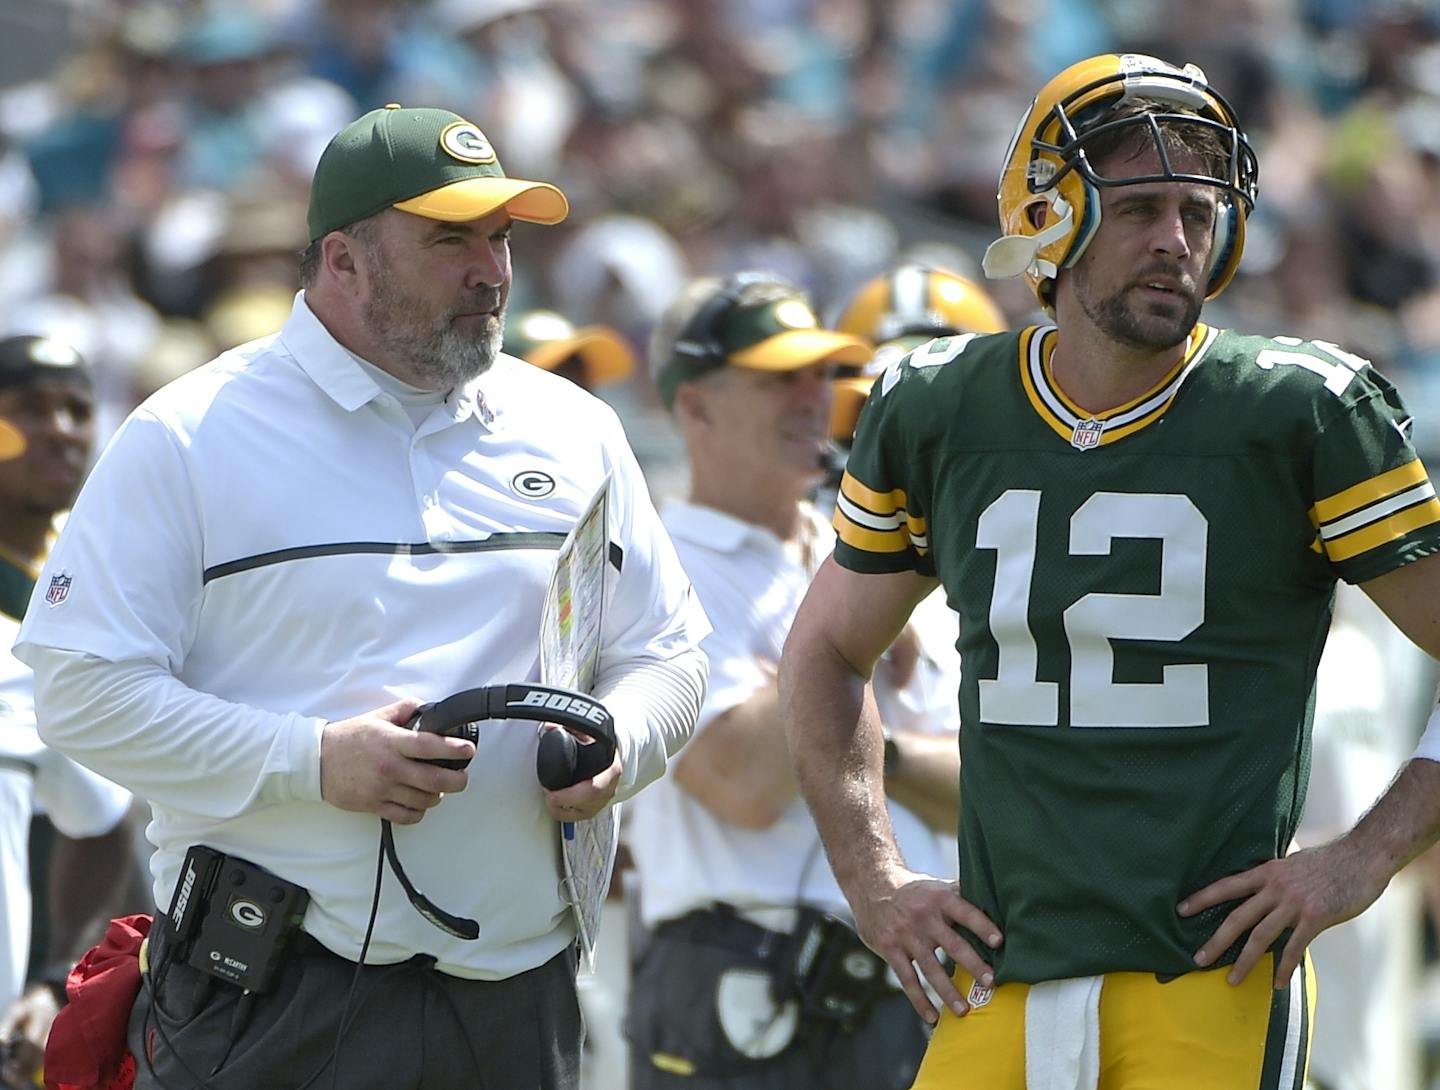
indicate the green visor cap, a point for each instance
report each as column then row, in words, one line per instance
column 25, row 359
column 548, row 339
column 429, row 162
column 779, row 335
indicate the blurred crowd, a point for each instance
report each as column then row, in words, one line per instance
column 152, row 188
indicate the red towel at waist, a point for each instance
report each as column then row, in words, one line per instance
column 87, row 1048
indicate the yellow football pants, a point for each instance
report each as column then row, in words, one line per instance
column 1196, row 1032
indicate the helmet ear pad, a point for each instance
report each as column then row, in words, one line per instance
column 1088, row 222
column 1225, row 250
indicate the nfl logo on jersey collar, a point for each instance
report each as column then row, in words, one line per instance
column 1086, row 435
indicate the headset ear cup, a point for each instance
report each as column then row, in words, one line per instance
column 556, row 759
column 561, row 761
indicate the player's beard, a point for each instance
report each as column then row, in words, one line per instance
column 440, row 356
column 1135, row 324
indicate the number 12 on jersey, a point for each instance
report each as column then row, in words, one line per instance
column 1016, row 695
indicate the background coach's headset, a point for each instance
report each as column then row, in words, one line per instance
column 559, row 761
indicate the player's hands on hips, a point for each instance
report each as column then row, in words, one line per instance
column 1307, row 892
column 905, row 916
column 371, row 763
column 582, row 801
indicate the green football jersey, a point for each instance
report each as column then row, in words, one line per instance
column 16, row 583
column 1143, row 597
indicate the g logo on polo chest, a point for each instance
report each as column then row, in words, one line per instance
column 534, row 483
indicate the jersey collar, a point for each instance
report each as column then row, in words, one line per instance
column 1084, row 429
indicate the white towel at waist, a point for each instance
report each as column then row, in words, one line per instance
column 1062, row 1034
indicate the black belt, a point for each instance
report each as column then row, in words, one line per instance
column 302, row 944
column 723, row 927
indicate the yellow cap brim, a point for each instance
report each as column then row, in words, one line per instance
column 796, row 348
column 846, row 400
column 534, row 202
column 603, row 352
column 12, row 442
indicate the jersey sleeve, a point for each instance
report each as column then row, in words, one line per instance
column 1375, row 508
column 124, row 580
column 79, row 802
column 880, row 520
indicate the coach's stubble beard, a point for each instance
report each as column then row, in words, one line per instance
column 440, row 354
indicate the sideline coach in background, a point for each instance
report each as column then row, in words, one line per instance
column 280, row 556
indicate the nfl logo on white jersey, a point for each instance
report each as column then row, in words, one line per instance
column 1087, row 434
column 59, row 589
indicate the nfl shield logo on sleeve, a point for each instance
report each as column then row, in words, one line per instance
column 1087, row 434
column 59, row 588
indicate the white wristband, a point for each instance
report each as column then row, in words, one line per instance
column 1429, row 747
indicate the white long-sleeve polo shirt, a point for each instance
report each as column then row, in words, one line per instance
column 270, row 543
column 751, row 585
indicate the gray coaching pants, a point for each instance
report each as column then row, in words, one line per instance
column 410, row 1028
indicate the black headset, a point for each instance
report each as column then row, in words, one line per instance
column 559, row 761
column 699, row 340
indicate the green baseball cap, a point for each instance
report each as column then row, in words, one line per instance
column 548, row 339
column 429, row 162
column 25, row 360
column 776, row 335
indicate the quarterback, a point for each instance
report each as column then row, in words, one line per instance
column 1140, row 520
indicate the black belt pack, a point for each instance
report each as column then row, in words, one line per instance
column 233, row 919
column 829, row 970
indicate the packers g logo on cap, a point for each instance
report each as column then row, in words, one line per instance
column 464, row 141
column 54, row 353
column 794, row 314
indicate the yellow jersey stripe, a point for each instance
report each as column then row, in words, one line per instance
column 1378, row 512
column 870, row 541
column 877, row 503
column 1368, row 492
column 1376, row 534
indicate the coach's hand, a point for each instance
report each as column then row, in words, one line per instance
column 1305, row 892
column 906, row 916
column 371, row 763
column 582, row 801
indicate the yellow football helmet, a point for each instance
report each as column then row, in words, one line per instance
column 896, row 311
column 1049, row 190
column 913, row 300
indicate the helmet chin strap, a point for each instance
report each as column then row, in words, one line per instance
column 1010, row 256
